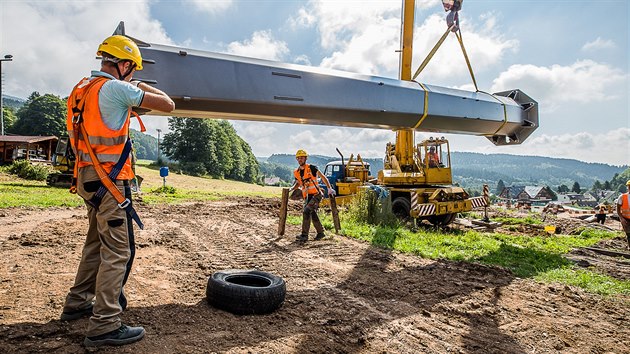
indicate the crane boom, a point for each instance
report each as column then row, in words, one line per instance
column 213, row 85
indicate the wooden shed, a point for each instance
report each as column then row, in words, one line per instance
column 33, row 148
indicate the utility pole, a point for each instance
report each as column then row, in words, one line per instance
column 7, row 57
column 158, row 144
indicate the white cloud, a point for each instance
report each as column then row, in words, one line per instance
column 304, row 19
column 302, row 60
column 599, row 43
column 325, row 141
column 54, row 43
column 584, row 81
column 211, row 7
column 262, row 45
column 612, row 147
column 364, row 37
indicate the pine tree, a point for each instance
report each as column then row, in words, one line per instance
column 500, row 187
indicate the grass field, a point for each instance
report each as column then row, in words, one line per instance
column 17, row 192
column 527, row 256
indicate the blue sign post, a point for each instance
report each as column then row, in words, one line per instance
column 163, row 174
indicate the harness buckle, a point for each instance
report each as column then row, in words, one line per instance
column 124, row 204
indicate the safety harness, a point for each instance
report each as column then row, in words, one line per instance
column 308, row 182
column 107, row 180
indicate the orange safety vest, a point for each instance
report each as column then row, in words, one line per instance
column 625, row 205
column 108, row 144
column 308, row 182
column 434, row 159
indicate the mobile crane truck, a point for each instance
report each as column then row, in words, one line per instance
column 221, row 86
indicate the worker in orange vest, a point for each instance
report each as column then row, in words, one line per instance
column 433, row 157
column 306, row 180
column 99, row 111
column 623, row 210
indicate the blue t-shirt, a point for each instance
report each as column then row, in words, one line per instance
column 115, row 98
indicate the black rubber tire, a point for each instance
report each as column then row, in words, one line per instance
column 401, row 207
column 442, row 220
column 245, row 292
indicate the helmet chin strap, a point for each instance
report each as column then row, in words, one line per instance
column 122, row 77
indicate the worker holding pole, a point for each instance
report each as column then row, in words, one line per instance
column 99, row 112
column 306, row 180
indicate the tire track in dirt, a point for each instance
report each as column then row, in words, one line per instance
column 343, row 295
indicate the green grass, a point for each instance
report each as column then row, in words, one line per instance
column 35, row 193
column 18, row 192
column 538, row 257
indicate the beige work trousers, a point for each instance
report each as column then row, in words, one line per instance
column 106, row 259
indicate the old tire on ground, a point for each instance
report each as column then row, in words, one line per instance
column 401, row 207
column 442, row 220
column 245, row 292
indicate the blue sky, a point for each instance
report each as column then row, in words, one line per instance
column 571, row 56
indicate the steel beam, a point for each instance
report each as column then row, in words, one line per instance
column 213, row 85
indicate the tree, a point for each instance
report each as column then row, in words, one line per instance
column 210, row 147
column 597, row 186
column 41, row 115
column 607, row 186
column 553, row 194
column 576, row 188
column 500, row 187
column 8, row 115
column 563, row 189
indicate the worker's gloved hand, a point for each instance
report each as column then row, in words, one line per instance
column 331, row 192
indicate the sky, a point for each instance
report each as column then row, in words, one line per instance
column 570, row 56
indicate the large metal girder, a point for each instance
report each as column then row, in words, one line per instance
column 213, row 85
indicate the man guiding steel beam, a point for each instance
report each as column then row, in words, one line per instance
column 99, row 112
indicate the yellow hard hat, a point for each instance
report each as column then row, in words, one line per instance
column 301, row 153
column 628, row 183
column 122, row 48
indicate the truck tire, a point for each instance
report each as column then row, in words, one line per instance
column 245, row 292
column 401, row 207
column 442, row 220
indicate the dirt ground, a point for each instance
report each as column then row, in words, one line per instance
column 343, row 296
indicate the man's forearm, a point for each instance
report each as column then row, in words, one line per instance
column 148, row 88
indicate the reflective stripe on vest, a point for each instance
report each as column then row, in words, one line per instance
column 108, row 144
column 625, row 205
column 308, row 182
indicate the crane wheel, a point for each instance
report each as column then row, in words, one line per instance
column 401, row 207
column 245, row 292
column 442, row 220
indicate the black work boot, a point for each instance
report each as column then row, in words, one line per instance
column 71, row 315
column 319, row 236
column 628, row 237
column 120, row 336
column 301, row 238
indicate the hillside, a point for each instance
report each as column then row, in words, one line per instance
column 472, row 170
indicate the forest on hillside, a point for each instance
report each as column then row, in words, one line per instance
column 473, row 170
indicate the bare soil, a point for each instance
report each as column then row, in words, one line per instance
column 343, row 296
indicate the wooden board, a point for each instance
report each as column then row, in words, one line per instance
column 283, row 211
column 335, row 214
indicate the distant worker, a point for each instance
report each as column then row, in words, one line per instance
column 600, row 214
column 433, row 158
column 623, row 210
column 99, row 111
column 306, row 180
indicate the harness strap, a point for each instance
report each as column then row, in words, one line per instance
column 123, row 203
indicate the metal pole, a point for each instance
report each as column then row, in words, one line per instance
column 158, row 144
column 7, row 57
column 1, row 103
